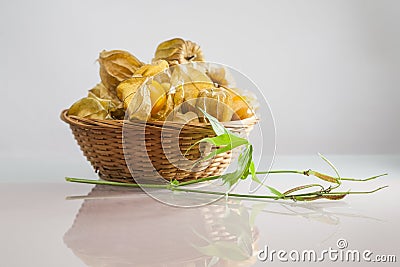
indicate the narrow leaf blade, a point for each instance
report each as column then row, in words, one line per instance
column 275, row 191
column 218, row 128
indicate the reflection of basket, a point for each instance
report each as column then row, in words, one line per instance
column 117, row 228
column 150, row 151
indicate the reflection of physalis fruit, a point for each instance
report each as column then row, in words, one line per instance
column 117, row 66
column 136, row 97
column 178, row 51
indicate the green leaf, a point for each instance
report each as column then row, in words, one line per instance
column 174, row 182
column 242, row 170
column 229, row 141
column 224, row 139
column 275, row 191
column 252, row 169
column 332, row 166
column 218, row 128
column 234, row 143
column 254, row 177
column 219, row 140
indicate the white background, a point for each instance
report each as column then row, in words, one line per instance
column 329, row 69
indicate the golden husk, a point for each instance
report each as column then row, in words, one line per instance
column 117, row 66
column 178, row 51
column 130, row 89
column 99, row 104
column 217, row 102
column 125, row 87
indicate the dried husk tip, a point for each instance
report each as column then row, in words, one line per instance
column 178, row 51
column 117, row 66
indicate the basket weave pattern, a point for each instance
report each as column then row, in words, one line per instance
column 149, row 149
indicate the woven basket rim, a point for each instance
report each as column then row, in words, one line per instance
column 85, row 122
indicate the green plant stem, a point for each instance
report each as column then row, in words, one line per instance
column 218, row 176
column 306, row 173
column 277, row 197
column 101, row 182
column 363, row 180
column 178, row 188
column 204, row 179
column 311, row 172
column 280, row 171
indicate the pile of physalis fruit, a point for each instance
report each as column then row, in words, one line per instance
column 174, row 87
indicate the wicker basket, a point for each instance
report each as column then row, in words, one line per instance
column 102, row 144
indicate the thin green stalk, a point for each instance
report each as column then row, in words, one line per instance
column 306, row 173
column 210, row 178
column 318, row 193
column 218, row 176
column 178, row 188
column 280, row 171
column 102, row 182
column 321, row 175
column 364, row 180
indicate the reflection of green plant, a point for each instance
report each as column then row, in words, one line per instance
column 225, row 141
column 236, row 243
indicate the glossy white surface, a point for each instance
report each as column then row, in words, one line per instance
column 119, row 227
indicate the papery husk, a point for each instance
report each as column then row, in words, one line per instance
column 189, row 91
column 128, row 88
column 165, row 111
column 242, row 104
column 90, row 108
column 152, row 69
column 101, row 91
column 187, row 117
column 186, row 83
column 117, row 66
column 140, row 105
column 158, row 96
column 218, row 76
column 99, row 104
column 248, row 96
column 178, row 51
column 217, row 102
column 188, row 74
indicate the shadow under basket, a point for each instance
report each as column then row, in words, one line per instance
column 142, row 152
